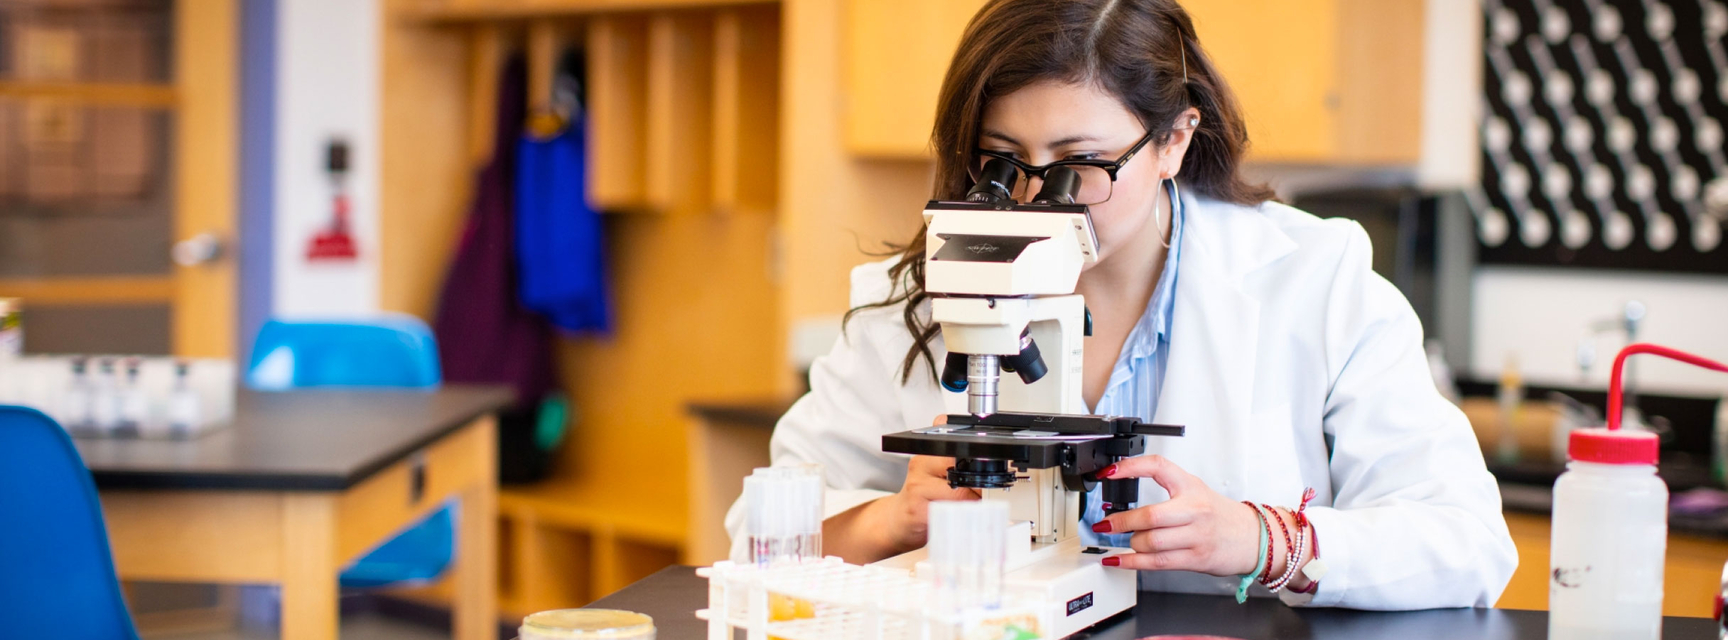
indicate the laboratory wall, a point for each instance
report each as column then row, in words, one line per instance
column 327, row 90
column 314, row 82
column 1540, row 316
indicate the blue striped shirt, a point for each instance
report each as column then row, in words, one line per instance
column 1139, row 371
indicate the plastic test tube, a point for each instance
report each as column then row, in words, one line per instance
column 784, row 517
column 968, row 552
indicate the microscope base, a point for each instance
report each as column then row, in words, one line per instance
column 1082, row 590
column 1077, row 590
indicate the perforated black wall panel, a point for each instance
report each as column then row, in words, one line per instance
column 1602, row 136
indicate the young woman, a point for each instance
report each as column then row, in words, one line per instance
column 1259, row 327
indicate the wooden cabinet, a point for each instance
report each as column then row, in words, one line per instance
column 1321, row 81
column 896, row 54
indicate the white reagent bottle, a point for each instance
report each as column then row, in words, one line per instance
column 1611, row 525
column 1610, row 532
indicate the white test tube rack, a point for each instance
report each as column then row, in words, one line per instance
column 848, row 602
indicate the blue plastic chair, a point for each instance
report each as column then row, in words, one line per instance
column 57, row 576
column 391, row 351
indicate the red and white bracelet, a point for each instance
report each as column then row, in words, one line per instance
column 1294, row 561
column 1315, row 569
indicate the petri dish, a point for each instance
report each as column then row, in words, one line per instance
column 586, row 624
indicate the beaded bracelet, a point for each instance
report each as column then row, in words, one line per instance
column 1305, row 526
column 1288, row 545
column 1302, row 529
column 1313, row 585
column 1291, row 566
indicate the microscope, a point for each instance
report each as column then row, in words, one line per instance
column 1001, row 278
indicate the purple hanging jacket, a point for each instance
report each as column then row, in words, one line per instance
column 485, row 335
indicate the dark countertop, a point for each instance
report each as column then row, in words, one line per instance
column 673, row 595
column 303, row 440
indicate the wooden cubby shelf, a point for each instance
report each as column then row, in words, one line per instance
column 683, row 127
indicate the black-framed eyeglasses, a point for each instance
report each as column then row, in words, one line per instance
column 1097, row 177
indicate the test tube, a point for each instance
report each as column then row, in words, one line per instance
column 968, row 546
column 784, row 517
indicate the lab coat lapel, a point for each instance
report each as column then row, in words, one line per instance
column 1208, row 384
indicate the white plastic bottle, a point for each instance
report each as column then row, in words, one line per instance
column 75, row 399
column 185, row 408
column 106, row 400
column 1610, row 532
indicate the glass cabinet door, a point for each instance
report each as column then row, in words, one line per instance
column 116, row 142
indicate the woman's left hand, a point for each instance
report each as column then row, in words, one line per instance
column 1197, row 529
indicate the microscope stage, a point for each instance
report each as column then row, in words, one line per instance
column 1026, row 448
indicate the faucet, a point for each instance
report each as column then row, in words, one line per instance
column 1628, row 322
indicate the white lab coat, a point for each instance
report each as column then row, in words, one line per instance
column 1291, row 363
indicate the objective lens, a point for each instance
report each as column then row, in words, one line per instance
column 954, row 372
column 982, row 374
column 1029, row 363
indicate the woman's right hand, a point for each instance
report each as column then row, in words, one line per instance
column 896, row 523
column 907, row 513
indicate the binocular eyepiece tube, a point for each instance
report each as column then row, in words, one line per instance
column 1061, row 186
column 995, row 182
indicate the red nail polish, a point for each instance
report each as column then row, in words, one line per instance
column 1113, row 561
column 1105, row 473
column 1103, row 526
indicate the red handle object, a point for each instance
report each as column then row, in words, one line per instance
column 1614, row 378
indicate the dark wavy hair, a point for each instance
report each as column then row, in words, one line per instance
column 1144, row 52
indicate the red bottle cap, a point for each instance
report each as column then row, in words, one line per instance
column 1613, row 446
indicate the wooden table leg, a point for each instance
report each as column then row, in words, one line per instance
column 475, row 575
column 310, row 604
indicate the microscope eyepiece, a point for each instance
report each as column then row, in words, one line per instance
column 995, row 182
column 1061, row 186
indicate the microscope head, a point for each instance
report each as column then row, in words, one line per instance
column 974, row 249
column 987, row 260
